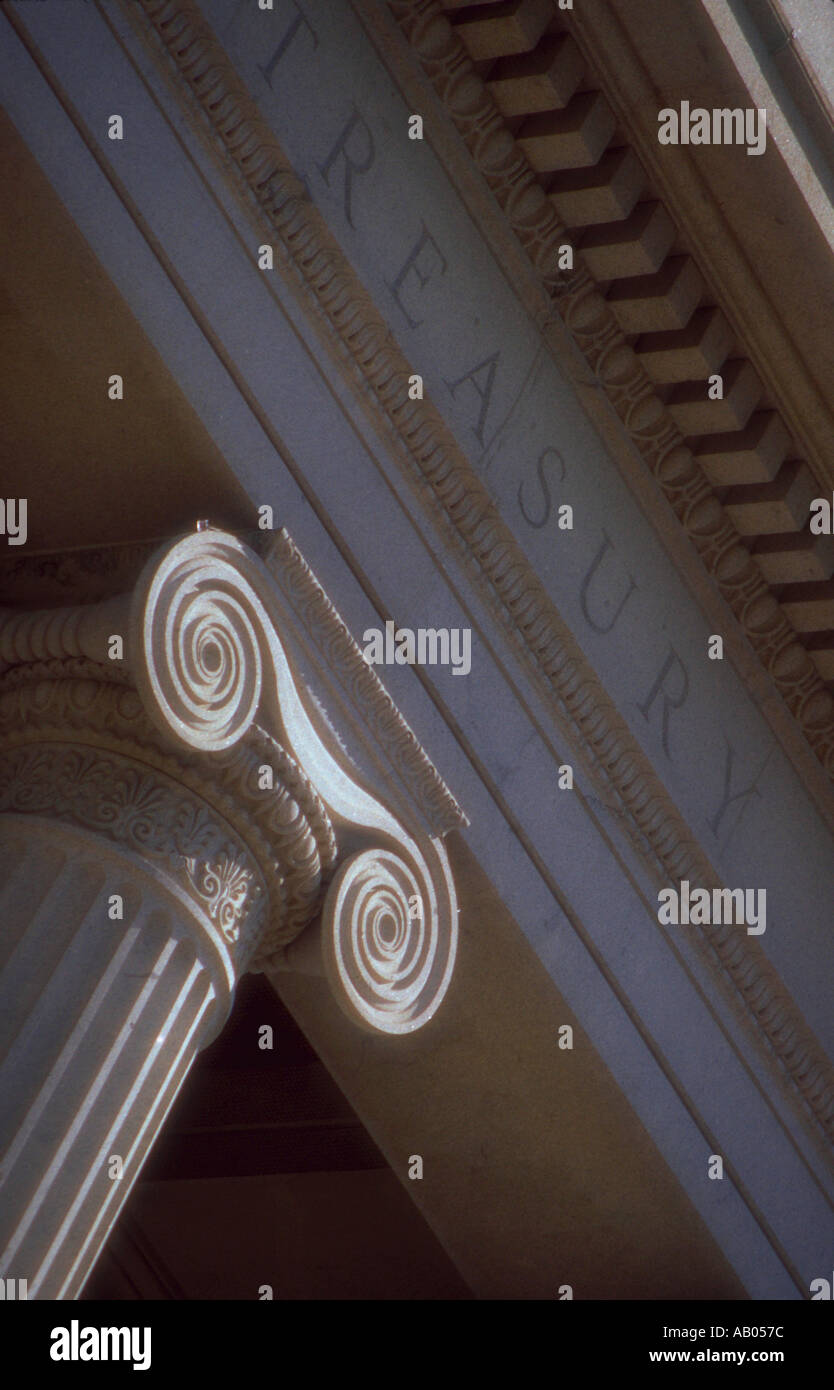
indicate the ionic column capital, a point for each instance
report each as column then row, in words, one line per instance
column 199, row 744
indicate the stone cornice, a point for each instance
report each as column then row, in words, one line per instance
column 200, row 642
column 717, row 203
column 466, row 513
column 595, row 329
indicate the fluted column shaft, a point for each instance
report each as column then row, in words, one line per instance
column 100, row 1020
